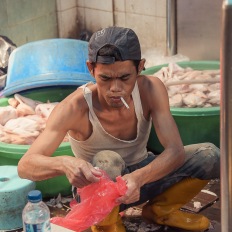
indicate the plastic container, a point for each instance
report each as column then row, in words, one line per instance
column 196, row 125
column 13, row 197
column 36, row 214
column 50, row 62
column 10, row 154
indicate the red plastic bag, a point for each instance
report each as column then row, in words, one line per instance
column 97, row 201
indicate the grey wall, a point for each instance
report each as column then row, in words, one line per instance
column 198, row 31
column 146, row 17
column 199, row 28
column 27, row 20
column 198, row 23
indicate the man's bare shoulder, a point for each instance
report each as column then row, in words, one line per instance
column 71, row 110
column 150, row 86
column 153, row 92
column 74, row 102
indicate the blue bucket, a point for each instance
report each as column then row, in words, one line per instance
column 48, row 62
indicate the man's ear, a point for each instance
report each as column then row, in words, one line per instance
column 90, row 67
column 141, row 65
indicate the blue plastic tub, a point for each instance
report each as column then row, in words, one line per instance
column 51, row 62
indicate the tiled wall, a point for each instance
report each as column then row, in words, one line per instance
column 26, row 20
column 29, row 20
column 146, row 17
column 68, row 20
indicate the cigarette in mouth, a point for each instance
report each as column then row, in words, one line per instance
column 124, row 102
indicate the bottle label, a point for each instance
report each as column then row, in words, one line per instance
column 41, row 227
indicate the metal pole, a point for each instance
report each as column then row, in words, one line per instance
column 171, row 28
column 226, row 118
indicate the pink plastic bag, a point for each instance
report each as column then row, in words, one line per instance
column 97, row 201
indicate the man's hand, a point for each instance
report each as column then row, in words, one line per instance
column 79, row 172
column 133, row 190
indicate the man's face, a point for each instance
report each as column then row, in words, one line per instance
column 114, row 81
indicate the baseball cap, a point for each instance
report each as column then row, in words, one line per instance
column 124, row 39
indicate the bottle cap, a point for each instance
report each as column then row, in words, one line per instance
column 34, row 196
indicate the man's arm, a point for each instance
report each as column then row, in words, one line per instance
column 173, row 156
column 167, row 132
column 37, row 163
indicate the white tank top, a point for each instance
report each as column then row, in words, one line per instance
column 132, row 151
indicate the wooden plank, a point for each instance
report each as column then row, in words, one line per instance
column 201, row 201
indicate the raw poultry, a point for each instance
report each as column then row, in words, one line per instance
column 190, row 88
column 23, row 120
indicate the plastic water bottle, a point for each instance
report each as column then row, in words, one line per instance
column 36, row 214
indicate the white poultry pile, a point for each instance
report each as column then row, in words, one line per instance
column 23, row 120
column 190, row 88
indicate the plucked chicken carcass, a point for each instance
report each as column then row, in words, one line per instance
column 190, row 88
column 45, row 109
column 23, row 120
column 23, row 130
column 7, row 113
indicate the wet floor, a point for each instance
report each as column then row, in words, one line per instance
column 134, row 223
column 212, row 212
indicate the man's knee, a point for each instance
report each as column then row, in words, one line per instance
column 210, row 152
column 208, row 160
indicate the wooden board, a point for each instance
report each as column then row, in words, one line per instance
column 201, row 201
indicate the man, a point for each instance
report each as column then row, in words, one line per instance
column 116, row 114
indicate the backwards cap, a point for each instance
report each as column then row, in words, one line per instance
column 124, row 39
